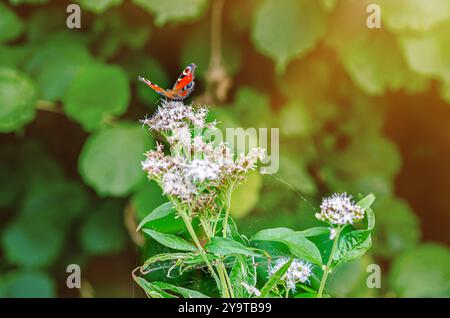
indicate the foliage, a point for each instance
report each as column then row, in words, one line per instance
column 71, row 145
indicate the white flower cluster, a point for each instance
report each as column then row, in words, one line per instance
column 172, row 115
column 298, row 272
column 203, row 166
column 339, row 209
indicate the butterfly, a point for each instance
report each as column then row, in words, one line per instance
column 183, row 86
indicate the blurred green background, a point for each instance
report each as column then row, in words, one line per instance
column 359, row 110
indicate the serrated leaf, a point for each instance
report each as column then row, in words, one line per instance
column 295, row 241
column 171, row 241
column 110, row 160
column 173, row 10
column 352, row 245
column 18, row 97
column 222, row 246
column 96, row 94
column 286, row 29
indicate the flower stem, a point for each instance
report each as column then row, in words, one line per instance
column 191, row 231
column 221, row 270
column 227, row 212
column 330, row 260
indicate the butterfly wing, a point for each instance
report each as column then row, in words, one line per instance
column 183, row 86
column 185, row 80
column 155, row 87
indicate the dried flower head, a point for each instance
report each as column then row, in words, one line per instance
column 339, row 209
column 298, row 272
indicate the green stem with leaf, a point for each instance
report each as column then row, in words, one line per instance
column 227, row 210
column 330, row 261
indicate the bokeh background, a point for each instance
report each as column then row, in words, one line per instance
column 359, row 110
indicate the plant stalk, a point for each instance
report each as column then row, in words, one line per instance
column 227, row 212
column 330, row 260
column 191, row 231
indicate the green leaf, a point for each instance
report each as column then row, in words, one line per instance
column 60, row 68
column 173, row 10
column 13, row 56
column 274, row 279
column 295, row 241
column 366, row 202
column 295, row 121
column 158, row 213
column 152, row 290
column 316, row 231
column 31, row 242
column 243, row 271
column 99, row 6
column 253, row 107
column 397, row 229
column 246, row 195
column 427, row 53
column 149, row 197
column 422, row 272
column 10, row 24
column 416, row 15
column 352, row 245
column 375, row 63
column 96, row 94
column 182, row 261
column 306, row 295
column 287, row 29
column 350, row 279
column 184, row 292
column 48, row 201
column 17, row 2
column 17, row 99
column 103, row 232
column 222, row 246
column 27, row 284
column 293, row 172
column 171, row 241
column 196, row 49
column 110, row 160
